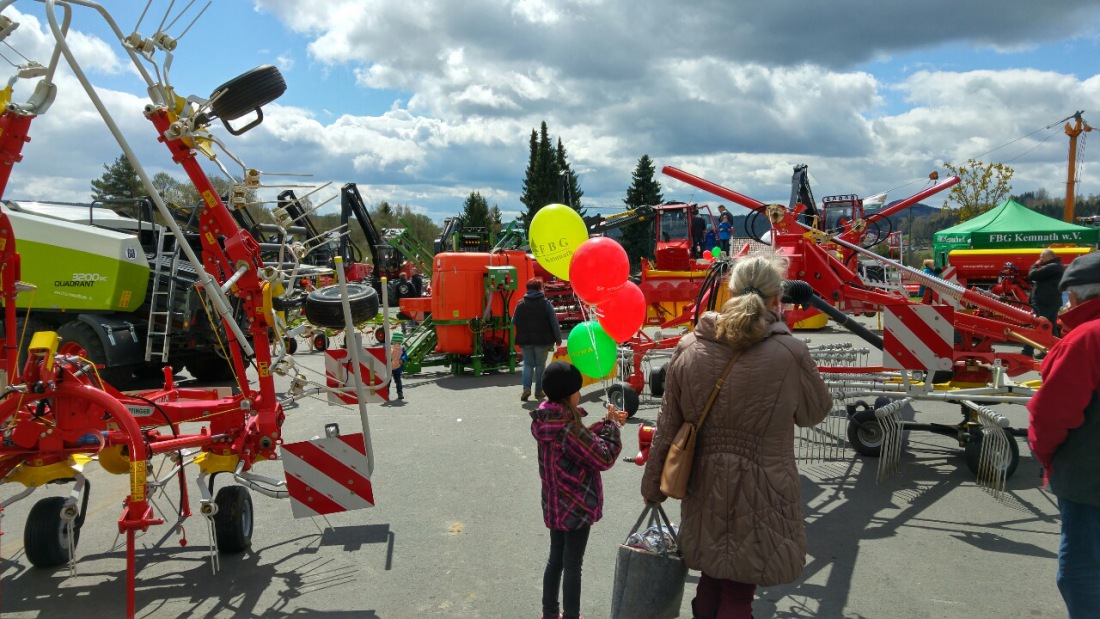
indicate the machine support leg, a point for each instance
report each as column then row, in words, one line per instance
column 130, row 574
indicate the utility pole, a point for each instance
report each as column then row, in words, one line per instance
column 1079, row 127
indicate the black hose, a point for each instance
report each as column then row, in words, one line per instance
column 798, row 291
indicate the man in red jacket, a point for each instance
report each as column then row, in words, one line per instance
column 1064, row 435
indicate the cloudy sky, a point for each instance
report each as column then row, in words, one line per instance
column 420, row 102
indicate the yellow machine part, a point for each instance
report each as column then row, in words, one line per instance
column 32, row 475
column 817, row 321
column 44, row 343
column 113, row 461
column 211, row 463
column 269, row 291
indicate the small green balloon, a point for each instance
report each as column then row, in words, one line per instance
column 716, row 252
column 591, row 349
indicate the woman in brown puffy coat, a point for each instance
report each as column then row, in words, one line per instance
column 742, row 516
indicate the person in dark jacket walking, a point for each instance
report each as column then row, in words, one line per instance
column 571, row 458
column 537, row 329
column 1064, row 434
column 1045, row 298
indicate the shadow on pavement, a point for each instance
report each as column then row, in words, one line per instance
column 243, row 587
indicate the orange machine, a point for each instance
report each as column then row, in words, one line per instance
column 473, row 297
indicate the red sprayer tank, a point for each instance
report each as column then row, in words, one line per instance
column 459, row 294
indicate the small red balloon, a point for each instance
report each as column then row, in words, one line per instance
column 622, row 314
column 599, row 268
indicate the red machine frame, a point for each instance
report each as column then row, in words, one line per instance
column 812, row 259
column 55, row 406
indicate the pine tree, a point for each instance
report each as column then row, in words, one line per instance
column 638, row 238
column 119, row 182
column 542, row 183
column 475, row 212
column 497, row 219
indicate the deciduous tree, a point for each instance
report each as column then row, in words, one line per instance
column 983, row 186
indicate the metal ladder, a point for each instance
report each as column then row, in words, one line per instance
column 414, row 250
column 162, row 296
column 511, row 237
column 420, row 344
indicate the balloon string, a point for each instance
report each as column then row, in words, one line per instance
column 586, row 313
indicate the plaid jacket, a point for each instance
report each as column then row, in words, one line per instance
column 570, row 460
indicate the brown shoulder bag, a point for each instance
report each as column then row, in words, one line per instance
column 681, row 453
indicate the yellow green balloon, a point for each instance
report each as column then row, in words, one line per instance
column 556, row 232
column 591, row 349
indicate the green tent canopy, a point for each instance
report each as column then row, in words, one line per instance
column 1009, row 225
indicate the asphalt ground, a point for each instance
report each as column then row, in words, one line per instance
column 457, row 530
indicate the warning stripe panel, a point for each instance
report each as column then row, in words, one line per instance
column 304, row 501
column 918, row 337
column 339, row 482
column 328, row 475
column 318, row 489
column 355, row 441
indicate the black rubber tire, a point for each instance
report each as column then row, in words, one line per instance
column 291, row 344
column 320, row 342
column 81, row 335
column 44, row 535
column 624, row 398
column 657, row 380
column 323, row 307
column 864, row 431
column 233, row 522
column 973, row 450
column 210, row 368
column 248, row 91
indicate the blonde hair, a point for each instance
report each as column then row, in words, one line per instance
column 754, row 280
column 928, row 262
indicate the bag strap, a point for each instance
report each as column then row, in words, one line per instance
column 717, row 388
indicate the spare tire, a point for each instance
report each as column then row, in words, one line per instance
column 248, row 91
column 324, row 309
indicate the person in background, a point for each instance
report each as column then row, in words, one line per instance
column 698, row 234
column 929, row 269
column 537, row 328
column 571, row 457
column 725, row 228
column 710, row 241
column 417, row 281
column 398, row 356
column 741, row 520
column 403, row 289
column 1045, row 297
column 1064, row 434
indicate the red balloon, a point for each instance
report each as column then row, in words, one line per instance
column 599, row 268
column 622, row 314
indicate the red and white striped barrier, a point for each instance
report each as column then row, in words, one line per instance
column 327, row 475
column 918, row 337
column 373, row 368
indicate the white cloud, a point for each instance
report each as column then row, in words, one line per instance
column 737, row 92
